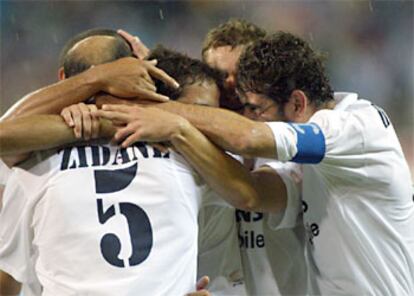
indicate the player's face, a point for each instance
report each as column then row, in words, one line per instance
column 259, row 107
column 201, row 93
column 225, row 59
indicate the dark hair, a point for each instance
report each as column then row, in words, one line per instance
column 280, row 63
column 183, row 69
column 232, row 33
column 74, row 62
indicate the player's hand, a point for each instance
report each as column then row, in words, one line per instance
column 139, row 49
column 81, row 118
column 131, row 78
column 142, row 123
column 201, row 287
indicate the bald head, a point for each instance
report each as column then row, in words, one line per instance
column 92, row 50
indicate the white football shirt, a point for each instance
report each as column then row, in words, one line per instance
column 358, row 209
column 273, row 259
column 97, row 220
column 244, row 256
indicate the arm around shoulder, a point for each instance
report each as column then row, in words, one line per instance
column 227, row 129
column 263, row 190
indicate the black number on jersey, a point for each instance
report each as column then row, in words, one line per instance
column 140, row 230
column 384, row 117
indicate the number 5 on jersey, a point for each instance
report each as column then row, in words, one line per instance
column 140, row 230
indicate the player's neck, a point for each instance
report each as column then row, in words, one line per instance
column 312, row 109
column 327, row 105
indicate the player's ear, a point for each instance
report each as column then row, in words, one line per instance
column 297, row 106
column 61, row 74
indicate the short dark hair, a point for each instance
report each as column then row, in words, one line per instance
column 232, row 33
column 280, row 63
column 74, row 63
column 183, row 69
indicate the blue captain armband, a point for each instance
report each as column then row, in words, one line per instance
column 311, row 143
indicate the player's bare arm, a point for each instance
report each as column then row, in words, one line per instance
column 127, row 78
column 39, row 132
column 228, row 130
column 262, row 190
column 229, row 178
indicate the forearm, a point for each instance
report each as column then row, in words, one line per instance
column 52, row 99
column 221, row 172
column 227, row 129
column 8, row 285
column 39, row 132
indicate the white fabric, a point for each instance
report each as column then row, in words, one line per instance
column 291, row 174
column 285, row 140
column 244, row 256
column 219, row 254
column 59, row 231
column 4, row 173
column 31, row 288
column 274, row 259
column 258, row 276
column 359, row 212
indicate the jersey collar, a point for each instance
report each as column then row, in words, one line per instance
column 344, row 99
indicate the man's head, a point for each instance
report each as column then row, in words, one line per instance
column 199, row 84
column 281, row 77
column 89, row 48
column 222, row 48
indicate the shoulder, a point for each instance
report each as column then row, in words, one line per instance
column 339, row 127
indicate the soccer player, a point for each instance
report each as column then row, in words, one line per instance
column 120, row 234
column 356, row 192
column 263, row 268
column 257, row 255
column 51, row 131
column 35, row 132
column 221, row 50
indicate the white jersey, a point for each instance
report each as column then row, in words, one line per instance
column 4, row 174
column 219, row 253
column 273, row 259
column 358, row 209
column 258, row 260
column 97, row 220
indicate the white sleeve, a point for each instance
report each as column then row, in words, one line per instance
column 16, row 253
column 300, row 143
column 291, row 175
column 4, row 173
